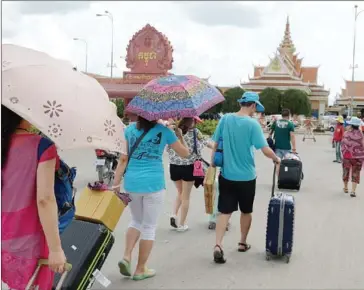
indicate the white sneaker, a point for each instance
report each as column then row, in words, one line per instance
column 182, row 228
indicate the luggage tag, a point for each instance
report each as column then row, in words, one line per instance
column 101, row 278
column 285, row 168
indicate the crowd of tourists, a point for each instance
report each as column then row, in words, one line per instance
column 29, row 162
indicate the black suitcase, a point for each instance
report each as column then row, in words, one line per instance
column 290, row 174
column 280, row 225
column 86, row 246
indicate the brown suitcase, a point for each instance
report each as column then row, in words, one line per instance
column 209, row 189
column 103, row 207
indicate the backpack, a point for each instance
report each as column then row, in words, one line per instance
column 65, row 194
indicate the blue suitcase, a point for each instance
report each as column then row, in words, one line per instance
column 280, row 225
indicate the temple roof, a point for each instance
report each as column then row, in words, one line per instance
column 309, row 74
column 353, row 89
column 285, row 70
column 287, row 43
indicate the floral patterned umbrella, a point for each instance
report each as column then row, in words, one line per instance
column 68, row 106
column 174, row 97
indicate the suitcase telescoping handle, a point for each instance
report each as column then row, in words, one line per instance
column 44, row 262
column 274, row 178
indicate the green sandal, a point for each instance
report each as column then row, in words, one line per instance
column 124, row 268
column 148, row 273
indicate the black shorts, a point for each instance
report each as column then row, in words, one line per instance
column 181, row 172
column 234, row 193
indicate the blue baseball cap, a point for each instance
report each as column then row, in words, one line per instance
column 252, row 97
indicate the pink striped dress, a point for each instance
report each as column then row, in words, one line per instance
column 23, row 241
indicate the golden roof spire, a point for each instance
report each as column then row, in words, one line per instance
column 287, row 44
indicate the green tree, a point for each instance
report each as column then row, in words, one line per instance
column 271, row 99
column 218, row 107
column 297, row 102
column 120, row 107
column 231, row 100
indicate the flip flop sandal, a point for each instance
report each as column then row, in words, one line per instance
column 219, row 255
column 148, row 273
column 125, row 268
column 246, row 247
column 353, row 194
column 346, row 190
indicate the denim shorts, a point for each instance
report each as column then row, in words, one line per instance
column 281, row 152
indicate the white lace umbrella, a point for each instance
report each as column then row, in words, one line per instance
column 68, row 106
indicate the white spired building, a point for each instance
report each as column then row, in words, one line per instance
column 285, row 71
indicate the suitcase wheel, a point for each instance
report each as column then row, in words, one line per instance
column 268, row 257
column 287, row 258
column 212, row 226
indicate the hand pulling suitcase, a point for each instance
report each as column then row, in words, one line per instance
column 43, row 263
column 280, row 225
column 86, row 246
column 290, row 174
column 103, row 207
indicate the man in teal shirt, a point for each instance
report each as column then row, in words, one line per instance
column 241, row 134
column 283, row 131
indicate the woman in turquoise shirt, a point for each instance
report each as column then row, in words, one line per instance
column 144, row 181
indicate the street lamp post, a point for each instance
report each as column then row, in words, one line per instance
column 354, row 66
column 109, row 15
column 86, row 50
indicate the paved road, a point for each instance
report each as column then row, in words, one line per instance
column 328, row 242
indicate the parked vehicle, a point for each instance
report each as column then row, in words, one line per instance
column 106, row 164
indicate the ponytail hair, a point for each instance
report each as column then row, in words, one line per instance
column 9, row 123
column 143, row 124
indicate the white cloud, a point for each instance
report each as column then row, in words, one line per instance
column 208, row 38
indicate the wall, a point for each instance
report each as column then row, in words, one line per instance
column 315, row 105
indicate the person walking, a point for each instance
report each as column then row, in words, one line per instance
column 241, row 133
column 181, row 169
column 283, row 131
column 352, row 148
column 144, row 182
column 29, row 215
column 337, row 138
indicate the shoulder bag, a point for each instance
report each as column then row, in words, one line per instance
column 134, row 147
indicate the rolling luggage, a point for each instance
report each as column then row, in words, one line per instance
column 280, row 225
column 103, row 207
column 86, row 246
column 210, row 189
column 290, row 173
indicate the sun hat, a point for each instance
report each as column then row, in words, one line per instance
column 340, row 119
column 252, row 97
column 355, row 121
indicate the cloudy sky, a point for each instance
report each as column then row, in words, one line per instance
column 222, row 40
